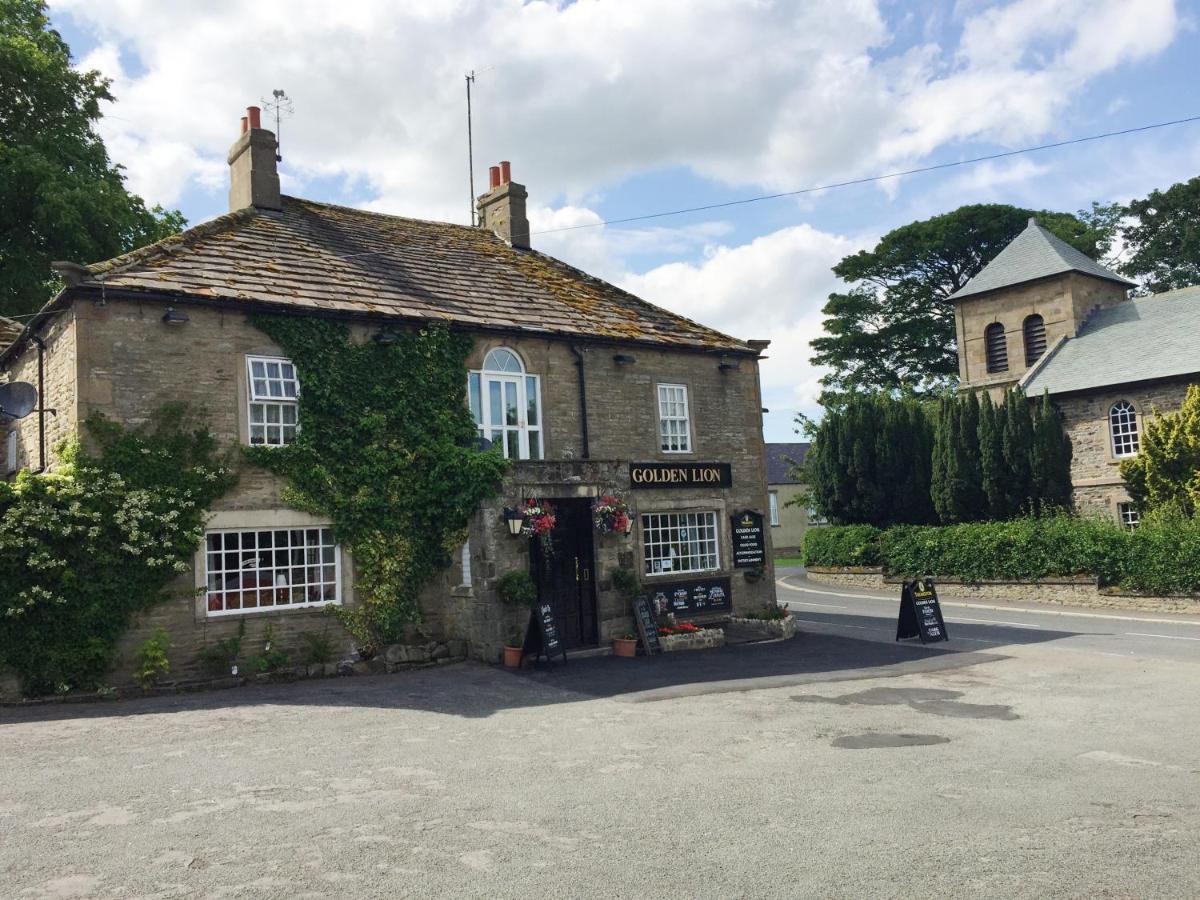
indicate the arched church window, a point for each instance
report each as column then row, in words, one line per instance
column 1123, row 426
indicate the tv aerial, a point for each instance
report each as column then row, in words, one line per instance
column 17, row 399
column 281, row 105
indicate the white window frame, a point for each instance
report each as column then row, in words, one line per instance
column 815, row 518
column 261, row 403
column 1128, row 515
column 773, row 507
column 669, row 414
column 280, row 594
column 1123, row 435
column 701, row 540
column 10, row 451
column 523, row 387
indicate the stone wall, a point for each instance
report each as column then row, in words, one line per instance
column 1081, row 591
column 1095, row 472
column 60, row 370
column 129, row 362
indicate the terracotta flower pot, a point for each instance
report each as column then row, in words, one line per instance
column 625, row 647
column 512, row 657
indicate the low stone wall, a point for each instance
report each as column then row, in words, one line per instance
column 705, row 639
column 749, row 630
column 1077, row 591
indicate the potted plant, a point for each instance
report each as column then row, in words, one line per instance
column 610, row 514
column 513, row 651
column 625, row 645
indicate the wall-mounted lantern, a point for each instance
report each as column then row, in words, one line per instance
column 173, row 317
column 729, row 365
column 515, row 521
column 624, row 359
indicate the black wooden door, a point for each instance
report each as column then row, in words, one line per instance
column 566, row 576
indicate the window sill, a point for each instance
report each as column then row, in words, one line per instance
column 270, row 611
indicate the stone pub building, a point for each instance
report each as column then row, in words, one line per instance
column 590, row 390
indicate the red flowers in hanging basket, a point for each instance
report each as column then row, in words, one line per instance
column 538, row 516
column 610, row 514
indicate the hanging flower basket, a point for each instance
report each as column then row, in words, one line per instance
column 610, row 513
column 539, row 522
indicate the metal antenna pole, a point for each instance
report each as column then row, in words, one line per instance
column 470, row 146
column 280, row 105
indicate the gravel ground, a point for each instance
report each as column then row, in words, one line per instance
column 821, row 767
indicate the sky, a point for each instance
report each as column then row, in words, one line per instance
column 620, row 108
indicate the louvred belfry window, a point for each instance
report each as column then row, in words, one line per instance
column 1035, row 339
column 996, row 347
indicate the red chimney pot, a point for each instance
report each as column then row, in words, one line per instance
column 252, row 113
column 494, row 177
column 245, row 124
column 505, row 171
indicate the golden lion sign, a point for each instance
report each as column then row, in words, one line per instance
column 679, row 475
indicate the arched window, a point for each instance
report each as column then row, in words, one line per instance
column 1035, row 339
column 996, row 347
column 506, row 404
column 1123, row 426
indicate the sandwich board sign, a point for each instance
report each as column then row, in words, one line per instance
column 542, row 638
column 920, row 613
column 647, row 625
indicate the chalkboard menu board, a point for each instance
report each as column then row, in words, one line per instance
column 749, row 547
column 920, row 613
column 647, row 625
column 543, row 638
column 691, row 598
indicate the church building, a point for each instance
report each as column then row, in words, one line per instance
column 1046, row 318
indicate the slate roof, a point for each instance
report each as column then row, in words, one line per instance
column 334, row 259
column 1150, row 337
column 1034, row 253
column 780, row 458
column 9, row 330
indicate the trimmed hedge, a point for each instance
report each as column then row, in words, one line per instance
column 842, row 545
column 1162, row 556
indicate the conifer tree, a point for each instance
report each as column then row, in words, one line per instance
column 942, row 477
column 991, row 457
column 1050, row 458
column 972, row 502
column 1017, row 449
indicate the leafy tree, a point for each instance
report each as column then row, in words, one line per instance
column 893, row 328
column 870, row 462
column 60, row 195
column 1051, row 457
column 1167, row 470
column 1165, row 237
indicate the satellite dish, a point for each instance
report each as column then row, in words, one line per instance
column 17, row 399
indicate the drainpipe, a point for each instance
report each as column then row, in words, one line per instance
column 582, row 400
column 41, row 387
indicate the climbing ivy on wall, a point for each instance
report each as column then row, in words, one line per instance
column 84, row 549
column 387, row 451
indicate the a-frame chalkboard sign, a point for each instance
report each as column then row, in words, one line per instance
column 542, row 637
column 920, row 613
column 643, row 617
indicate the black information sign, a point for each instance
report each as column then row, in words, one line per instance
column 679, row 475
column 749, row 547
column 647, row 626
column 920, row 613
column 691, row 598
column 543, row 639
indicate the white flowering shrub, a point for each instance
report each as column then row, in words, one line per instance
column 85, row 548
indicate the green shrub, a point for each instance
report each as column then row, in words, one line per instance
column 272, row 659
column 626, row 583
column 318, row 647
column 1161, row 556
column 219, row 656
column 842, row 545
column 152, row 662
column 102, row 538
column 516, row 589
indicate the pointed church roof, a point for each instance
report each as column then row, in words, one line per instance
column 1034, row 253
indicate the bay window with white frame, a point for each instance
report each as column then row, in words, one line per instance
column 273, row 401
column 675, row 543
column 506, row 403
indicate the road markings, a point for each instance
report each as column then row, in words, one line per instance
column 992, row 622
column 821, row 605
column 1169, row 637
column 961, row 605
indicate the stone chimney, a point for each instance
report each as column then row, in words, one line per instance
column 253, row 178
column 502, row 208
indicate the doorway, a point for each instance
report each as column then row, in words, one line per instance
column 566, row 577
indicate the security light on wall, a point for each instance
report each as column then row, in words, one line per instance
column 624, row 359
column 729, row 365
column 174, row 317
